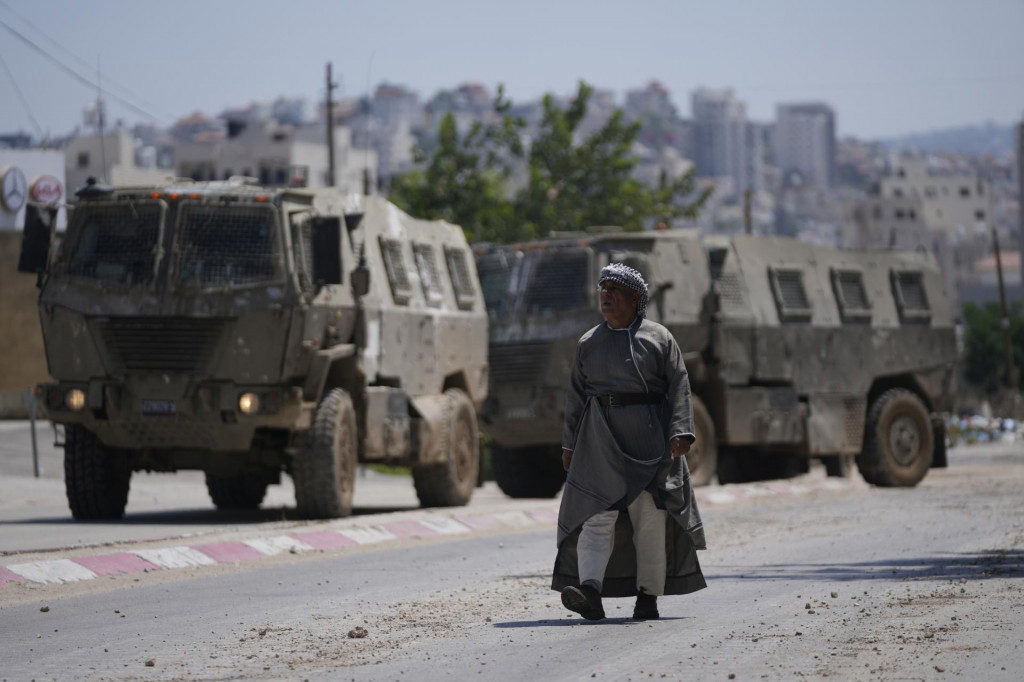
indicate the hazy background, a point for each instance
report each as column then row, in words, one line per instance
column 887, row 67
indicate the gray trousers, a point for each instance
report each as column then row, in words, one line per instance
column 597, row 540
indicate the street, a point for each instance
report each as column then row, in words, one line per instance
column 805, row 581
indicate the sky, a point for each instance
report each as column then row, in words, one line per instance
column 887, row 67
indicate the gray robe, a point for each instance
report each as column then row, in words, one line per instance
column 620, row 451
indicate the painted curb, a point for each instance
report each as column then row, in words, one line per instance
column 145, row 560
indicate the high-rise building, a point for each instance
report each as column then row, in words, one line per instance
column 805, row 144
column 725, row 146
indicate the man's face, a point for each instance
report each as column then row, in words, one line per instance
column 618, row 303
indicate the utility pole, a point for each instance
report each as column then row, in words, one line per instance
column 747, row 218
column 1011, row 375
column 330, row 128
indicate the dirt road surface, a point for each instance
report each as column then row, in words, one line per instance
column 854, row 584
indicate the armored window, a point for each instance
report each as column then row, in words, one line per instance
column 851, row 295
column 911, row 297
column 558, row 281
column 221, row 246
column 398, row 276
column 426, row 264
column 462, row 281
column 495, row 272
column 302, row 248
column 115, row 242
column 790, row 295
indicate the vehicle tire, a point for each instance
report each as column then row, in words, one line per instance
column 244, row 491
column 96, row 477
column 702, row 459
column 534, row 471
column 451, row 483
column 324, row 471
column 898, row 440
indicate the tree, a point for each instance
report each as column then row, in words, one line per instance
column 984, row 350
column 572, row 183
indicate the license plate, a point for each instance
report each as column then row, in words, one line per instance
column 159, row 408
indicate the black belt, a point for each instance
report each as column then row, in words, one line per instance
column 622, row 399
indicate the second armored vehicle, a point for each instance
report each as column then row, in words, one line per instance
column 244, row 331
column 793, row 350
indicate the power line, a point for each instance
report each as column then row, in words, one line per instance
column 81, row 61
column 21, row 96
column 74, row 74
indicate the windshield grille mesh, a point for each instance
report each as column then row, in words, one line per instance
column 558, row 282
column 518, row 363
column 116, row 242
column 221, row 246
column 152, row 344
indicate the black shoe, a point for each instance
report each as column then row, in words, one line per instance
column 584, row 600
column 646, row 607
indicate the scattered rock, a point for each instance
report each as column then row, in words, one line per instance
column 44, row 609
column 358, row 632
column 835, row 594
column 150, row 662
column 939, row 669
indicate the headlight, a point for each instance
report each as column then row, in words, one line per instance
column 249, row 403
column 75, row 399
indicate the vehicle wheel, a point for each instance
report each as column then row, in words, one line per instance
column 528, row 472
column 451, row 483
column 96, row 477
column 325, row 470
column 244, row 491
column 702, row 459
column 898, row 440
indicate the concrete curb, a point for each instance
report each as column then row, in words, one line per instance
column 145, row 560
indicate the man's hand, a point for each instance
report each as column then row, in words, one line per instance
column 566, row 459
column 680, row 446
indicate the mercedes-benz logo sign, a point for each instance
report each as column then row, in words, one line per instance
column 13, row 189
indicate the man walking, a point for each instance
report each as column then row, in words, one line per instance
column 628, row 423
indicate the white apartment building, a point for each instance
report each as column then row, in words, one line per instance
column 724, row 144
column 280, row 155
column 112, row 159
column 959, row 204
column 805, row 144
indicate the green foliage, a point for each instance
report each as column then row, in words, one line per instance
column 464, row 180
column 571, row 184
column 984, row 349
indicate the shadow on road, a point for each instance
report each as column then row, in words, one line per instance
column 199, row 517
column 569, row 622
column 995, row 563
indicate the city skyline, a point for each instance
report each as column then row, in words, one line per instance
column 886, row 69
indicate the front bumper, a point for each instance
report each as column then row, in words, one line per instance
column 162, row 412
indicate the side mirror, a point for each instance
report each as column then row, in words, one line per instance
column 360, row 279
column 35, row 241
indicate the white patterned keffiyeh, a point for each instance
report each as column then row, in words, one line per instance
column 627, row 277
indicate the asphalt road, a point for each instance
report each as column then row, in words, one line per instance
column 34, row 511
column 857, row 584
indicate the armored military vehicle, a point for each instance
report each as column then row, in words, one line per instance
column 794, row 351
column 245, row 331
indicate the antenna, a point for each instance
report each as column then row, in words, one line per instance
column 99, row 118
column 366, row 118
column 330, row 128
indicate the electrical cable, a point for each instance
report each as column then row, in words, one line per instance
column 21, row 96
column 81, row 61
column 74, row 74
